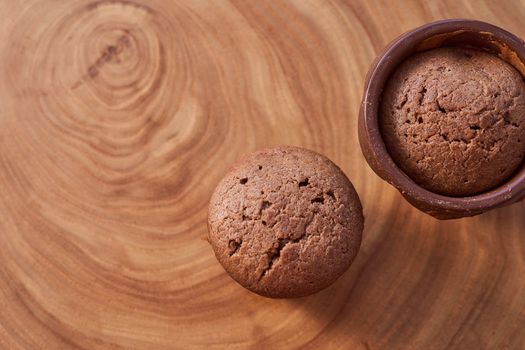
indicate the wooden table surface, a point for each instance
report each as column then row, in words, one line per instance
column 118, row 118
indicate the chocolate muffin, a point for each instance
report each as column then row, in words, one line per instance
column 453, row 119
column 285, row 222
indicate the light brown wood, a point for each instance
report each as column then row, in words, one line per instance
column 118, row 118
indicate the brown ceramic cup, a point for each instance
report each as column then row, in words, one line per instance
column 450, row 32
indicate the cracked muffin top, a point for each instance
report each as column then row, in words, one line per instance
column 285, row 222
column 453, row 120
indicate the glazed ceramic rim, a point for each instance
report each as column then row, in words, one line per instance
column 379, row 74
